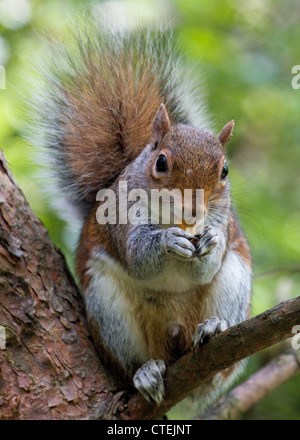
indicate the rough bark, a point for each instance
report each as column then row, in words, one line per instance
column 50, row 369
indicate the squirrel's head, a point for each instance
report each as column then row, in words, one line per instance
column 184, row 157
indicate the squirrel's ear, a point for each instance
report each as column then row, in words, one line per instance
column 161, row 125
column 226, row 133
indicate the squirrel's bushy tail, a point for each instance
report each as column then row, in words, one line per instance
column 97, row 103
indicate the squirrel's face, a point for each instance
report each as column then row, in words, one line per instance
column 183, row 157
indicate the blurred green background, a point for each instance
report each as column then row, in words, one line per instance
column 244, row 53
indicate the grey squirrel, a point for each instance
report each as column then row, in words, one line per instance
column 118, row 106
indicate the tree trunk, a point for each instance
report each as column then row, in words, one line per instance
column 49, row 368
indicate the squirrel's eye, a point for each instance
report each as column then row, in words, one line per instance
column 224, row 171
column 161, row 163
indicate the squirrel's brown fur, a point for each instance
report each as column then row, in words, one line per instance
column 97, row 104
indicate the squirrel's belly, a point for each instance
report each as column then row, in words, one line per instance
column 148, row 309
column 174, row 278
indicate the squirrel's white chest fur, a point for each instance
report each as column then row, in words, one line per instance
column 121, row 298
column 173, row 278
column 123, row 303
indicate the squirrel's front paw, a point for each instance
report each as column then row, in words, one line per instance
column 207, row 241
column 148, row 380
column 177, row 243
column 208, row 329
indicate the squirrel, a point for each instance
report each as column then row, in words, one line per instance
column 120, row 107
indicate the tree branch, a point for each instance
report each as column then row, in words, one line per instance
column 255, row 388
column 279, row 271
column 233, row 345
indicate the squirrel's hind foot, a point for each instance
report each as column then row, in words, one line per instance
column 208, row 329
column 148, row 380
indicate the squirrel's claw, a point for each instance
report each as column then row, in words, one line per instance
column 177, row 242
column 148, row 380
column 207, row 241
column 208, row 329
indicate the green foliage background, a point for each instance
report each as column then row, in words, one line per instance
column 244, row 53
